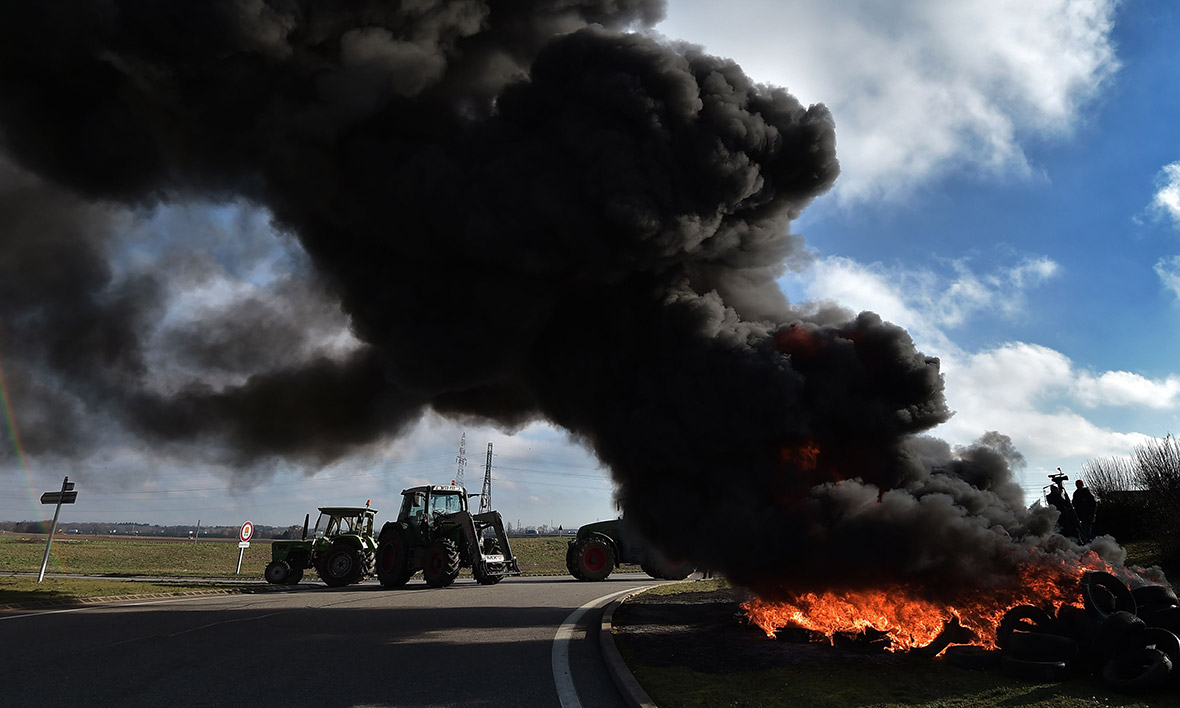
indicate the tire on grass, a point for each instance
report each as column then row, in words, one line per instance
column 1137, row 670
column 1035, row 670
column 1038, row 646
column 971, row 657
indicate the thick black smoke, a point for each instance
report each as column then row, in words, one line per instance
column 525, row 210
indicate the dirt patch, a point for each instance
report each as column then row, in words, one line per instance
column 707, row 632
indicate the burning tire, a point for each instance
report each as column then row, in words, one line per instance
column 442, row 563
column 594, row 556
column 659, row 567
column 1137, row 670
column 278, row 572
column 341, row 565
column 392, row 568
column 1104, row 594
column 1035, row 670
column 1025, row 618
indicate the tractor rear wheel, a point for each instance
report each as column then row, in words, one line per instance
column 392, row 567
column 340, row 566
column 571, row 562
column 278, row 572
column 595, row 557
column 491, row 547
column 442, row 563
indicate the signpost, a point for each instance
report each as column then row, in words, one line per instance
column 67, row 495
column 244, row 535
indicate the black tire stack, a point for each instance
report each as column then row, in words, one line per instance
column 1126, row 637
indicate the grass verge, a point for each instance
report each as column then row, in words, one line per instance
column 23, row 590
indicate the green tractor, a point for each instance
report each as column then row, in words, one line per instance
column 601, row 547
column 341, row 550
column 437, row 534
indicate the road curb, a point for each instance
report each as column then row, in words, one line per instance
column 630, row 690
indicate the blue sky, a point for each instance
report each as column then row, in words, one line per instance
column 1005, row 196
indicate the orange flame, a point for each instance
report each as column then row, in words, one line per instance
column 910, row 621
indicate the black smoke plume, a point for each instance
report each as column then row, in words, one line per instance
column 525, row 210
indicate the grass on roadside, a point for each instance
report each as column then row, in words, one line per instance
column 920, row 684
column 18, row 590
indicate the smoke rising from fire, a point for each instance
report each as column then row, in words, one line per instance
column 525, row 210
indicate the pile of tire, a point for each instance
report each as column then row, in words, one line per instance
column 1126, row 637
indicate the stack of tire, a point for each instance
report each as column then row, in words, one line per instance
column 1127, row 637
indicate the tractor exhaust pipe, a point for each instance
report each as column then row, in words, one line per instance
column 306, row 520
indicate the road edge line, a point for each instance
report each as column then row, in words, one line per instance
column 559, row 656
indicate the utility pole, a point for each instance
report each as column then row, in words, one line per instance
column 485, row 499
column 461, row 459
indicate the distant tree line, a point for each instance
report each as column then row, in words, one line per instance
column 1139, row 496
column 125, row 528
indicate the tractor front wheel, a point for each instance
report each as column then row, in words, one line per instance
column 295, row 576
column 278, row 572
column 341, row 565
column 594, row 556
column 442, row 563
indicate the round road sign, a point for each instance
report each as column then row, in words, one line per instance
column 246, row 531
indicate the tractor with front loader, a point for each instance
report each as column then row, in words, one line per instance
column 341, row 549
column 601, row 547
column 436, row 533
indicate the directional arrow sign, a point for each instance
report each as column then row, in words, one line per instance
column 59, row 497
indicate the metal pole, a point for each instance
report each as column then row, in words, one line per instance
column 241, row 552
column 52, row 529
column 198, row 533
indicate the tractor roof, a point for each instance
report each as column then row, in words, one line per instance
column 436, row 488
column 347, row 510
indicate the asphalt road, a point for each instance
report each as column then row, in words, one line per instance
column 467, row 645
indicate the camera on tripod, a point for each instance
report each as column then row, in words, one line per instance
column 1059, row 478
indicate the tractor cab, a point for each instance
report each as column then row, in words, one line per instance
column 337, row 520
column 422, row 504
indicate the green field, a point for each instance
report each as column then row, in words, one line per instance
column 167, row 558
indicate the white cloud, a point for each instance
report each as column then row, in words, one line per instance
column 924, row 302
column 924, row 87
column 1036, row 395
column 1167, row 199
column 1168, row 270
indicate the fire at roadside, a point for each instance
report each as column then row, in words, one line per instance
column 1065, row 626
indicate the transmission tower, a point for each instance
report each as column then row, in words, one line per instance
column 461, row 459
column 485, row 499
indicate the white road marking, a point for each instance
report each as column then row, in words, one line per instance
column 564, row 680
